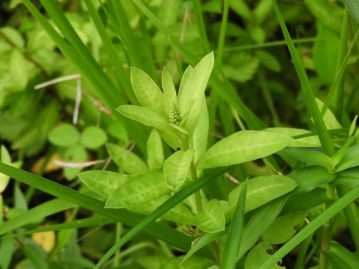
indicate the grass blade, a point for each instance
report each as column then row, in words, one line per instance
column 306, row 87
column 334, row 209
column 35, row 214
column 155, row 230
column 235, row 233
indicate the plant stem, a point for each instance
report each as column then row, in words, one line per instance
column 222, row 33
column 197, row 194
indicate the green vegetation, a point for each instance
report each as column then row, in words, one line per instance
column 174, row 134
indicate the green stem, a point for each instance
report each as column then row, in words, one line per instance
column 117, row 258
column 300, row 262
column 222, row 33
column 200, row 22
column 269, row 44
column 197, row 194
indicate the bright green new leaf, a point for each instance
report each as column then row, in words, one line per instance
column 73, row 155
column 243, row 146
column 64, row 135
column 146, row 90
column 138, row 190
column 200, row 135
column 4, row 158
column 126, row 160
column 196, row 83
column 14, row 36
column 176, row 168
column 18, row 70
column 211, row 219
column 258, row 255
column 307, row 139
column 186, row 74
column 261, row 190
column 191, row 119
column 329, row 118
column 169, row 92
column 155, row 155
column 144, row 116
column 283, row 228
column 93, row 137
column 103, row 182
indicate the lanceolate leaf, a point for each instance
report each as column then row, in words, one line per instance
column 138, row 190
column 169, row 91
column 155, row 155
column 261, row 190
column 258, row 255
column 103, row 182
column 243, row 146
column 146, row 90
column 176, row 168
column 144, row 116
column 211, row 219
column 200, row 135
column 126, row 160
column 186, row 74
column 195, row 85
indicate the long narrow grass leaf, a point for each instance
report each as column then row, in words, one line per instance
column 306, row 87
column 334, row 209
column 35, row 214
column 155, row 230
column 235, row 234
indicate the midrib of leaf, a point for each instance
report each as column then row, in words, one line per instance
column 265, row 188
column 244, row 150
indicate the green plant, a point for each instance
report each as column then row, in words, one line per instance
column 190, row 173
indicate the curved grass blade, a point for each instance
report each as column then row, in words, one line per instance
column 95, row 221
column 334, row 209
column 166, row 206
column 306, row 87
column 35, row 214
column 155, row 230
column 235, row 233
column 72, row 55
